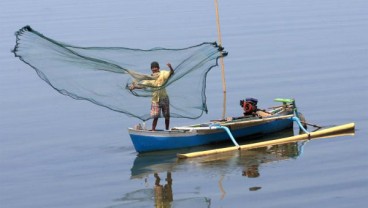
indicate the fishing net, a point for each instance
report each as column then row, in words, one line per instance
column 102, row 75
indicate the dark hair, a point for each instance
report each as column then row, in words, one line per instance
column 155, row 64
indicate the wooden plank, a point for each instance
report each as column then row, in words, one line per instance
column 311, row 135
column 229, row 123
column 235, row 122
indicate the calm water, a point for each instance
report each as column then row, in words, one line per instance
column 59, row 152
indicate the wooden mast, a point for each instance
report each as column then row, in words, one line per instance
column 221, row 60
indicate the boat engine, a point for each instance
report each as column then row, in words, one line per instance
column 249, row 106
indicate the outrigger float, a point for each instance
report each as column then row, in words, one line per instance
column 323, row 133
column 254, row 121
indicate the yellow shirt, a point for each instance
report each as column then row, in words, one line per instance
column 162, row 77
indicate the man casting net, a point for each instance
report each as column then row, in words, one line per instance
column 103, row 75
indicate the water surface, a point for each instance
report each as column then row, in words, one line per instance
column 59, row 152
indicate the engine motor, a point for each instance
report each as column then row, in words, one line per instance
column 249, row 106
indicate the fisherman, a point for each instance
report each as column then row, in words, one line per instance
column 160, row 99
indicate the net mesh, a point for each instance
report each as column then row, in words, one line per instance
column 102, row 75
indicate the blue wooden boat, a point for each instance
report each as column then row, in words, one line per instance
column 253, row 122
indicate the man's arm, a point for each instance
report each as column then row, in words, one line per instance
column 134, row 86
column 171, row 69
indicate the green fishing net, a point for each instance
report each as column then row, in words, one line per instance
column 102, row 75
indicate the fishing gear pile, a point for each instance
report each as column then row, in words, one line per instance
column 102, row 75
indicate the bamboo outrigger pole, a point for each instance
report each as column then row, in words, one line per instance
column 311, row 135
column 221, row 60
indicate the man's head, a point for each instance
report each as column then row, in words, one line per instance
column 155, row 67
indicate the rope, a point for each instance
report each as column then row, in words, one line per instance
column 297, row 120
column 218, row 126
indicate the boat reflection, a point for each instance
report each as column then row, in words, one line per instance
column 160, row 165
column 246, row 163
column 166, row 161
column 252, row 159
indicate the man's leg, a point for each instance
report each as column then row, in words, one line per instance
column 167, row 123
column 154, row 124
column 155, row 114
column 166, row 112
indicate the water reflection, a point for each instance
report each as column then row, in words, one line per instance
column 162, row 166
column 159, row 165
column 252, row 159
column 248, row 162
column 163, row 193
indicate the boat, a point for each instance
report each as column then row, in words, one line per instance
column 254, row 121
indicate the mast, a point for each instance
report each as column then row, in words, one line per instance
column 221, row 60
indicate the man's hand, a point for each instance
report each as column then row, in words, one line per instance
column 171, row 69
column 131, row 87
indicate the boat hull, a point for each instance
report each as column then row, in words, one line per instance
column 146, row 141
